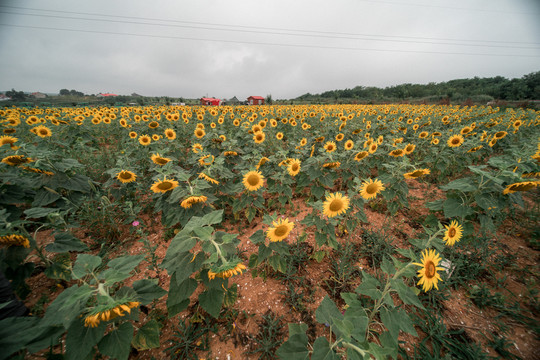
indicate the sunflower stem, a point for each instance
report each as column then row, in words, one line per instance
column 218, row 249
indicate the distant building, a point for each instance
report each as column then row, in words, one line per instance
column 233, row 101
column 38, row 95
column 3, row 97
column 210, row 101
column 255, row 100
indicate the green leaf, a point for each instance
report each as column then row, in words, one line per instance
column 464, row 184
column 456, row 208
column 125, row 264
column 60, row 268
column 117, row 343
column 295, row 348
column 318, row 191
column 327, row 311
column 406, row 294
column 436, row 205
column 205, row 233
column 80, row 339
column 257, row 237
column 64, row 242
column 15, row 333
column 147, row 337
column 297, row 329
column 45, row 197
column 211, row 301
column 178, row 298
column 278, row 263
column 39, row 212
column 212, row 218
column 322, row 350
column 67, row 306
column 387, row 266
column 389, row 320
column 369, row 287
column 45, row 337
column 85, row 264
column 319, row 255
column 177, row 251
column 148, row 290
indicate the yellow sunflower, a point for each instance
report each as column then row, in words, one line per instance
column 466, row 130
column 279, row 135
column 159, row 160
column 126, row 176
column 335, row 204
column 208, row 178
column 416, row 173
column 455, row 141
column 294, row 167
column 500, row 134
column 42, row 131
column 259, row 137
column 372, row 148
column 199, row 133
column 145, row 140
column 332, row 165
column 226, row 271
column 423, row 135
column 330, row 146
column 339, row 137
column 14, row 240
column 170, row 134
column 280, row 230
column 361, row 155
column 521, row 186
column 409, row 149
column 370, row 189
column 93, row 320
column 132, row 134
column 263, row 161
column 397, row 153
column 15, row 160
column 162, row 186
column 428, row 272
column 196, row 148
column 187, row 203
column 453, row 233
column 253, row 180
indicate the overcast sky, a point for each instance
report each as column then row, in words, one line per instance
column 239, row 48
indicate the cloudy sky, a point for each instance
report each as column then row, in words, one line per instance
column 239, row 48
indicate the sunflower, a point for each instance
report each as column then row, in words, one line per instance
column 466, row 130
column 253, row 180
column 159, row 160
column 455, row 141
column 123, row 122
column 156, row 137
column 423, row 135
column 162, row 186
column 475, row 149
column 370, row 189
column 435, row 141
column 145, row 140
column 9, row 131
column 492, row 142
column 226, row 271
column 303, row 142
column 499, row 135
column 93, row 320
column 43, row 131
column 259, row 137
column 349, row 144
column 196, row 148
column 330, row 146
column 14, row 240
column 203, row 161
column 15, row 160
column 294, row 167
column 199, row 133
column 521, row 186
column 279, row 135
column 263, row 161
column 170, row 134
column 409, row 149
column 428, row 273
column 453, row 233
column 126, row 176
column 319, row 139
column 132, row 134
column 187, row 203
column 397, row 153
column 230, row 153
column 416, row 173
column 372, row 148
column 339, row 137
column 335, row 204
column 332, row 165
column 280, row 230
column 361, row 155
column 208, row 178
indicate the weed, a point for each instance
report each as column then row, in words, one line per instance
column 343, row 269
column 188, row 339
column 375, row 245
column 269, row 337
column 501, row 345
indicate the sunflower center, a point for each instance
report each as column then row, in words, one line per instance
column 294, row 167
column 281, row 230
column 336, row 205
column 372, row 188
column 430, row 269
column 452, row 232
column 125, row 175
column 455, row 141
column 161, row 161
column 166, row 185
column 253, row 179
column 43, row 132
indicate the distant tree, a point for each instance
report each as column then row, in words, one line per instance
column 64, row 92
column 268, row 99
column 532, row 81
column 16, row 95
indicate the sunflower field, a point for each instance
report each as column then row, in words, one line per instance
column 263, row 232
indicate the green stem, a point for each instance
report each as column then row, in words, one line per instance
column 433, row 237
column 354, row 347
column 218, row 249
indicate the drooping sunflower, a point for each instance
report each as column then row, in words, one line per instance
column 187, row 203
column 93, row 319
column 455, row 141
column 253, row 180
column 520, row 186
column 361, row 155
column 370, row 189
column 429, row 277
column 162, row 186
column 330, row 146
column 335, row 204
column 14, row 240
column 475, row 149
column 294, row 167
column 159, row 160
column 230, row 153
column 170, row 134
column 126, row 176
column 16, row 160
column 280, row 230
column 208, row 178
column 145, row 140
column 263, row 161
column 453, row 233
column 43, row 131
column 397, row 153
column 226, row 271
column 416, row 173
column 259, row 137
column 332, row 165
column 203, row 162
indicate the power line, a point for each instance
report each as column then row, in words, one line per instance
column 266, row 44
column 264, row 32
column 265, row 28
